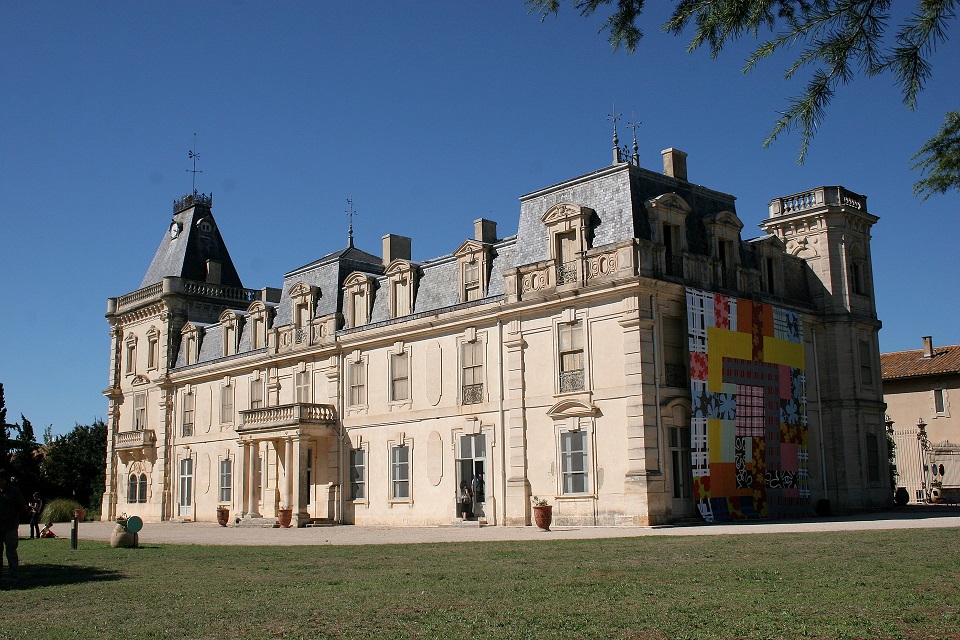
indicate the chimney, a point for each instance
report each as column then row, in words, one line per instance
column 395, row 247
column 928, row 347
column 213, row 271
column 674, row 163
column 485, row 230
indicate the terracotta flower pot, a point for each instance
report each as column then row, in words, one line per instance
column 543, row 516
column 80, row 514
column 223, row 516
column 285, row 516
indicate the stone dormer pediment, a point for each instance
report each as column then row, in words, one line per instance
column 399, row 266
column 229, row 317
column 670, row 203
column 566, row 211
column 470, row 247
column 770, row 243
column 357, row 279
column 302, row 289
column 729, row 219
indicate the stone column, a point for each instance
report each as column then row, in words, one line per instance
column 288, row 472
column 253, row 509
column 517, row 504
column 243, row 486
column 299, row 448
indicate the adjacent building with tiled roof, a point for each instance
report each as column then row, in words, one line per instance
column 918, row 387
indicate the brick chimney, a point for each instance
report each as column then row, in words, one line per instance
column 674, row 163
column 928, row 347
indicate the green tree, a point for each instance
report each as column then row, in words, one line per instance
column 26, row 460
column 837, row 40
column 4, row 432
column 74, row 465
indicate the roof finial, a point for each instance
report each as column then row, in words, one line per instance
column 635, row 158
column 616, row 141
column 350, row 212
column 193, row 156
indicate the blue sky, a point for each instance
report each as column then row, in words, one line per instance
column 427, row 114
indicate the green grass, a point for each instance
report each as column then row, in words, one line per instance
column 889, row 584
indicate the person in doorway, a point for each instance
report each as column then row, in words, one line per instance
column 478, row 487
column 466, row 501
column 36, row 507
column 12, row 507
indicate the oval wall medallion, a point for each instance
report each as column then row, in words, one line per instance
column 434, row 458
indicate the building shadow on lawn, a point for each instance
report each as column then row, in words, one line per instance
column 51, row 575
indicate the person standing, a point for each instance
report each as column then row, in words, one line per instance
column 12, row 506
column 36, row 508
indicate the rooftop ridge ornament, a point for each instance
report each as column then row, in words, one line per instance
column 635, row 158
column 350, row 212
column 193, row 155
column 616, row 141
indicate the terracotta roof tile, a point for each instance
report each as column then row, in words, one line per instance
column 909, row 364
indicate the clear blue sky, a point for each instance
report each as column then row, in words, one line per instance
column 427, row 114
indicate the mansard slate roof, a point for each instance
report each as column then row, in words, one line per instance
column 912, row 364
column 186, row 255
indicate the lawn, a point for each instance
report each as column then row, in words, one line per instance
column 877, row 584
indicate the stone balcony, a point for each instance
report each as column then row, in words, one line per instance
column 819, row 197
column 140, row 439
column 302, row 417
column 173, row 285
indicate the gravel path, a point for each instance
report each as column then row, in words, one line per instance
column 212, row 534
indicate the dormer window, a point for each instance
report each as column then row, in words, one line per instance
column 567, row 229
column 190, row 345
column 258, row 315
column 668, row 217
column 358, row 298
column 473, row 260
column 401, row 275
column 303, row 298
column 229, row 322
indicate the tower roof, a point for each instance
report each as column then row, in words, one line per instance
column 190, row 243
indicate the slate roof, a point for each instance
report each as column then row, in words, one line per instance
column 912, row 364
column 186, row 255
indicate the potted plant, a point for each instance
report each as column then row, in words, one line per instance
column 223, row 515
column 80, row 514
column 285, row 516
column 542, row 513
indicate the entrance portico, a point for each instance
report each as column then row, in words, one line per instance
column 284, row 436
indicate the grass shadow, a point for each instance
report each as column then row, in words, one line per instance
column 33, row 576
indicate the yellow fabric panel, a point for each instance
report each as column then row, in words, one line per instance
column 714, row 439
column 776, row 351
column 723, row 343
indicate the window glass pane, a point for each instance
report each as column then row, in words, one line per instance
column 938, row 400
column 479, row 446
column 132, row 488
column 142, row 488
column 400, row 383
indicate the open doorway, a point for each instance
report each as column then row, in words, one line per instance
column 472, row 471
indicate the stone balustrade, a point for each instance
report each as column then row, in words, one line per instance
column 173, row 285
column 138, row 439
column 821, row 196
column 286, row 415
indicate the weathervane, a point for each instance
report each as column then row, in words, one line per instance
column 616, row 141
column 193, row 156
column 350, row 212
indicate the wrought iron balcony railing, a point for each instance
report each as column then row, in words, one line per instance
column 571, row 381
column 567, row 272
column 472, row 393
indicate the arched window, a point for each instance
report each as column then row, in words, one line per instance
column 143, row 488
column 132, row 488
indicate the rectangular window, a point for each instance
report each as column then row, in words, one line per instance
column 358, row 384
column 140, row 411
column 229, row 341
column 873, row 458
column 256, row 394
column 188, row 346
column 573, row 461
column 303, row 386
column 400, row 376
column 856, row 275
column 131, row 357
column 939, row 404
column 226, row 404
column 358, row 474
column 188, row 400
column 153, row 352
column 400, row 472
column 186, row 485
column 132, row 488
column 358, row 309
column 571, row 357
column 471, row 281
column 471, row 361
column 226, row 480
column 866, row 360
column 256, row 339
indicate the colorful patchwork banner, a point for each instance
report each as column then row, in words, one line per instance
column 748, row 428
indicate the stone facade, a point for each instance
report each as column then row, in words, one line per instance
column 371, row 389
